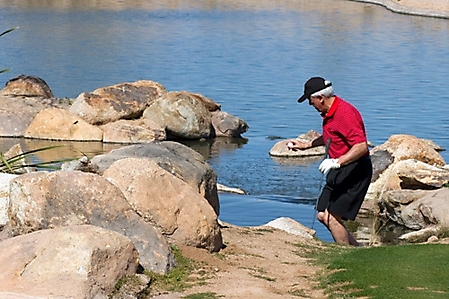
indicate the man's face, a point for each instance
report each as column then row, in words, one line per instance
column 317, row 103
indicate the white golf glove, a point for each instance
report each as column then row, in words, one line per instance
column 328, row 164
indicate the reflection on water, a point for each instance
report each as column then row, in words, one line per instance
column 213, row 147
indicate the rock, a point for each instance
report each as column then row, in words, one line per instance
column 180, row 212
column 42, row 200
column 432, row 208
column 210, row 104
column 71, row 262
column 404, row 147
column 16, row 160
column 380, row 160
column 227, row 125
column 174, row 157
column 280, row 149
column 132, row 131
column 424, row 178
column 5, row 179
column 58, row 124
column 181, row 114
column 17, row 113
column 82, row 164
column 121, row 101
column 28, row 86
column 223, row 188
column 419, row 236
column 292, row 227
column 393, row 161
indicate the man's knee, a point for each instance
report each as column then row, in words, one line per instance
column 321, row 216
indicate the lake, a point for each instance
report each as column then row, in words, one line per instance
column 253, row 58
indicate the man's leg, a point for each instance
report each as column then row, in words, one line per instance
column 335, row 225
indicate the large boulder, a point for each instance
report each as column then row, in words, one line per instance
column 121, row 101
column 167, row 202
column 182, row 114
column 42, row 200
column 59, row 124
column 71, row 262
column 178, row 159
column 28, row 86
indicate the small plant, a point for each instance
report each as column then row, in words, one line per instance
column 18, row 164
column 176, row 280
column 1, row 34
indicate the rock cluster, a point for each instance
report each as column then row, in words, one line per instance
column 75, row 232
column 135, row 112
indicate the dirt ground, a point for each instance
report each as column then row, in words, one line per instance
column 258, row 262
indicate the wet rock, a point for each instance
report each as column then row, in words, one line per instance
column 227, row 125
column 280, row 149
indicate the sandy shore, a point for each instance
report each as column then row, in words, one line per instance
column 429, row 8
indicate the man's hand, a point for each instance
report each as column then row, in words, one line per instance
column 328, row 164
column 295, row 144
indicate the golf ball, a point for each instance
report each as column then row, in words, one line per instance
column 290, row 144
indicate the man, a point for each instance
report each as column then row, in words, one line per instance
column 348, row 166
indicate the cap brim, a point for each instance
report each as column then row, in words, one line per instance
column 303, row 98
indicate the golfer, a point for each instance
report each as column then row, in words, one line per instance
column 347, row 168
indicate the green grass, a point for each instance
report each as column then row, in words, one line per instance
column 405, row 271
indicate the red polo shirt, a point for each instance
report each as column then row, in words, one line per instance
column 343, row 123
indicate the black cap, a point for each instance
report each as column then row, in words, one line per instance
column 313, row 85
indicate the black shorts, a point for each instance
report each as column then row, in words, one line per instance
column 346, row 188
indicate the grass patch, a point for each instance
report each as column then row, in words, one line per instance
column 405, row 271
column 186, row 274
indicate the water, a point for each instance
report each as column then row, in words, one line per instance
column 252, row 57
